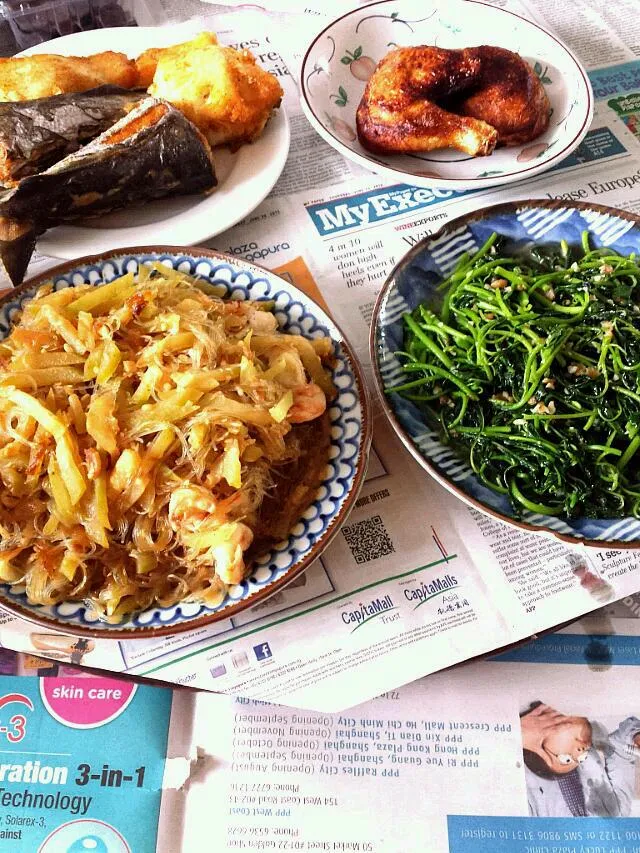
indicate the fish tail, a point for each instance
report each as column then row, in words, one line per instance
column 17, row 243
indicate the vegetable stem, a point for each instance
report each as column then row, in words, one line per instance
column 531, row 370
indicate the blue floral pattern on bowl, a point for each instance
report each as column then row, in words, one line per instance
column 415, row 279
column 350, row 438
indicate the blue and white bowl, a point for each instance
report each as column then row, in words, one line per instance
column 346, row 465
column 414, row 281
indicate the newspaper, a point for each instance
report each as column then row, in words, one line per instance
column 554, row 725
column 535, row 751
column 416, row 581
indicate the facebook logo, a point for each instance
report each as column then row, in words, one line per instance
column 262, row 652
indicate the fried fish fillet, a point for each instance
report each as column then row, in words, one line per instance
column 25, row 78
column 147, row 62
column 223, row 91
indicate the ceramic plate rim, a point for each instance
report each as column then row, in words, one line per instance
column 68, row 240
column 398, row 428
column 448, row 183
column 332, row 529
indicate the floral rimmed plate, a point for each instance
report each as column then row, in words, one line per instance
column 343, row 56
column 415, row 280
column 346, row 464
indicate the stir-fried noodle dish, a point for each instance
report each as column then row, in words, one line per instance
column 154, row 438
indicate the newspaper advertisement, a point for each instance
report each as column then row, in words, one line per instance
column 415, row 581
column 554, row 725
column 75, row 775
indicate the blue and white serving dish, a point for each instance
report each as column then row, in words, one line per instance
column 415, row 280
column 345, row 470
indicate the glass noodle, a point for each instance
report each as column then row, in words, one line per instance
column 144, row 423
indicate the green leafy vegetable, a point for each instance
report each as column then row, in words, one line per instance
column 531, row 370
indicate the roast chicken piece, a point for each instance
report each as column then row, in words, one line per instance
column 423, row 98
column 508, row 96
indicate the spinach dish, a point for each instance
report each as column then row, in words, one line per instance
column 530, row 369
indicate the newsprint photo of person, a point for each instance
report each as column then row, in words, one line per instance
column 573, row 769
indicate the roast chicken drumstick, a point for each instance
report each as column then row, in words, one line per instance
column 423, row 98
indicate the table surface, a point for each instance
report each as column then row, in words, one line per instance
column 574, row 25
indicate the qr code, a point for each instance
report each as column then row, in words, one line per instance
column 368, row 539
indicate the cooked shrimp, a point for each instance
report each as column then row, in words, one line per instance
column 195, row 508
column 189, row 506
column 309, row 402
column 239, row 313
column 229, row 554
column 262, row 322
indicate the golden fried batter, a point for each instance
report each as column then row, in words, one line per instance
column 224, row 92
column 147, row 62
column 23, row 78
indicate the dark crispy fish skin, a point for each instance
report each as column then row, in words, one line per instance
column 36, row 134
column 151, row 153
column 17, row 244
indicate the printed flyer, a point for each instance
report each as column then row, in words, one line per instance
column 82, row 762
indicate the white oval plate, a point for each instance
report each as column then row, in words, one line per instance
column 244, row 178
column 343, row 56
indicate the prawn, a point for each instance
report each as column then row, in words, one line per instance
column 309, row 402
column 263, row 322
column 189, row 506
column 228, row 555
column 194, row 506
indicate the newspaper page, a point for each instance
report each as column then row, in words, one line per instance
column 534, row 752
column 415, row 581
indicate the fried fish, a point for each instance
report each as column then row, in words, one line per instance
column 25, row 78
column 151, row 153
column 147, row 62
column 36, row 134
column 223, row 91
